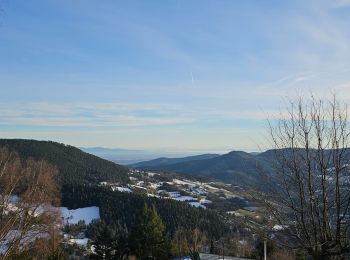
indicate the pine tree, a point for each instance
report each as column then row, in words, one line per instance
column 110, row 243
column 148, row 239
column 104, row 244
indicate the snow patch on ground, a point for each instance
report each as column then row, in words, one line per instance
column 72, row 216
column 180, row 182
column 203, row 201
column 233, row 196
column 155, row 185
column 184, row 198
column 138, row 187
column 121, row 189
column 277, row 227
column 152, row 195
column 199, row 191
column 210, row 187
column 197, row 205
column 79, row 241
column 184, row 182
column 174, row 194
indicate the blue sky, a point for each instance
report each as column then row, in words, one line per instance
column 175, row 75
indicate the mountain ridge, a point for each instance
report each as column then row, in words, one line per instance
column 168, row 160
column 236, row 167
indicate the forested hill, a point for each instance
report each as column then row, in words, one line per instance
column 74, row 165
column 81, row 174
column 120, row 209
column 236, row 167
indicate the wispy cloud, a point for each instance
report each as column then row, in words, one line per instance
column 89, row 115
column 339, row 3
column 97, row 115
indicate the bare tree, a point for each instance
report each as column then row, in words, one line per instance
column 188, row 242
column 27, row 192
column 180, row 245
column 309, row 193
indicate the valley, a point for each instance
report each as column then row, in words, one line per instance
column 97, row 195
column 94, row 191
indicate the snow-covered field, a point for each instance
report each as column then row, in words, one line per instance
column 205, row 201
column 210, row 187
column 184, row 198
column 72, row 216
column 121, row 189
column 184, row 182
column 197, row 205
column 193, row 192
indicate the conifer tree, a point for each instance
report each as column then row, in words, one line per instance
column 110, row 243
column 148, row 239
column 104, row 244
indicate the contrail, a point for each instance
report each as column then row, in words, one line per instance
column 192, row 78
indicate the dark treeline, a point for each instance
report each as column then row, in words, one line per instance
column 74, row 166
column 121, row 209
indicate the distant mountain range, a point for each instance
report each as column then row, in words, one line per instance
column 80, row 166
column 118, row 155
column 76, row 165
column 130, row 156
column 236, row 167
column 163, row 161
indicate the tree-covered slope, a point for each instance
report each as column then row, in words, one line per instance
column 74, row 165
column 235, row 167
column 117, row 208
column 80, row 174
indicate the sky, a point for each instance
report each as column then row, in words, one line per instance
column 181, row 75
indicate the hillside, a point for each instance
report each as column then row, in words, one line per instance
column 118, row 192
column 236, row 167
column 74, row 165
column 120, row 208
